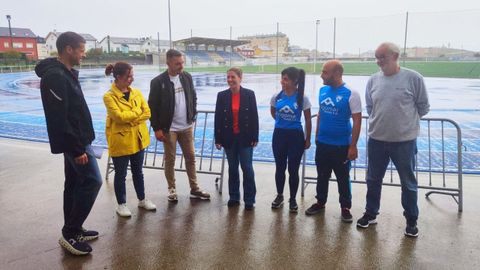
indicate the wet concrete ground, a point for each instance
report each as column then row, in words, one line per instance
column 207, row 235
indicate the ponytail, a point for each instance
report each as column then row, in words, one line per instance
column 298, row 76
column 300, row 87
column 119, row 69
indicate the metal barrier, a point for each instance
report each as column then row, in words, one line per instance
column 434, row 158
column 205, row 151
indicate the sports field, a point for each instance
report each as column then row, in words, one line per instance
column 446, row 69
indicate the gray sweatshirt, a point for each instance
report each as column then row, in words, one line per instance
column 395, row 104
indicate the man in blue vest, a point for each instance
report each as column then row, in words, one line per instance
column 336, row 139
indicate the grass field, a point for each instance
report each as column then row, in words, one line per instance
column 427, row 69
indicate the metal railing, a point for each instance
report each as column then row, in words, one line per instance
column 435, row 160
column 205, row 153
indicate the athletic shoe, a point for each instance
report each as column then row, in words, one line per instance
column 89, row 235
column 172, row 195
column 411, row 230
column 233, row 203
column 123, row 211
column 198, row 194
column 366, row 220
column 346, row 216
column 278, row 202
column 316, row 208
column 147, row 205
column 249, row 207
column 75, row 245
column 293, row 205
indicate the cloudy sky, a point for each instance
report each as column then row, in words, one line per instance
column 360, row 23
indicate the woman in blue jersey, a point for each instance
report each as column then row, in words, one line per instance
column 289, row 141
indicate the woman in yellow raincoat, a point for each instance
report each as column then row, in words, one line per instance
column 127, row 134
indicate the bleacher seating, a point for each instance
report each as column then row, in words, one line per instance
column 226, row 56
column 199, row 56
column 213, row 56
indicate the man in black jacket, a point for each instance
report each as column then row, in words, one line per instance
column 173, row 103
column 70, row 131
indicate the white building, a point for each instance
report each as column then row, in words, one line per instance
column 51, row 40
column 42, row 50
column 151, row 45
column 126, row 45
column 120, row 44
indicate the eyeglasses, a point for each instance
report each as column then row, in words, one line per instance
column 382, row 57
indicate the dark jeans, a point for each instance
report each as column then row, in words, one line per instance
column 402, row 155
column 82, row 183
column 121, row 164
column 288, row 146
column 328, row 158
column 239, row 154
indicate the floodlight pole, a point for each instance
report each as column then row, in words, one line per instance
column 169, row 26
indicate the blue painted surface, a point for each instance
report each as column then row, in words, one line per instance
column 21, row 112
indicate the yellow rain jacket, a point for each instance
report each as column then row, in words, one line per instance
column 126, row 127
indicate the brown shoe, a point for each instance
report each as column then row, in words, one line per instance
column 199, row 194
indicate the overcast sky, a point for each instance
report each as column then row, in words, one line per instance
column 360, row 23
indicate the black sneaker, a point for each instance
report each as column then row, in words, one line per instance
column 89, row 235
column 293, row 205
column 346, row 216
column 314, row 209
column 278, row 202
column 75, row 245
column 411, row 230
column 233, row 203
column 249, row 207
column 366, row 220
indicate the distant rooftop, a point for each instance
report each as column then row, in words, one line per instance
column 17, row 32
column 280, row 34
column 126, row 40
column 87, row 37
column 210, row 41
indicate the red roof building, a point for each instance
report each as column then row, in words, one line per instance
column 22, row 40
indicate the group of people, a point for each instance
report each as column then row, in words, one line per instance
column 396, row 98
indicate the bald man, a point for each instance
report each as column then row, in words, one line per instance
column 396, row 99
column 336, row 139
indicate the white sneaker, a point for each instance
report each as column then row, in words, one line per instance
column 123, row 211
column 147, row 205
column 172, row 195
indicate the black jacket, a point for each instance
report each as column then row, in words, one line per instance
column 69, row 123
column 247, row 118
column 162, row 100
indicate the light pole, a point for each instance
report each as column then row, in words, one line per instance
column 317, row 23
column 10, row 30
column 169, row 26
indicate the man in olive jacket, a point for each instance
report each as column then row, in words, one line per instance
column 173, row 103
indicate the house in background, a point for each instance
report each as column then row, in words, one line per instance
column 125, row 45
column 152, row 45
column 51, row 41
column 42, row 48
column 23, row 40
column 120, row 44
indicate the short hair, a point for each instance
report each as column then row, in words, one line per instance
column 71, row 39
column 338, row 68
column 391, row 47
column 173, row 53
column 237, row 71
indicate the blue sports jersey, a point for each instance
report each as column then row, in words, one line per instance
column 288, row 115
column 336, row 106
